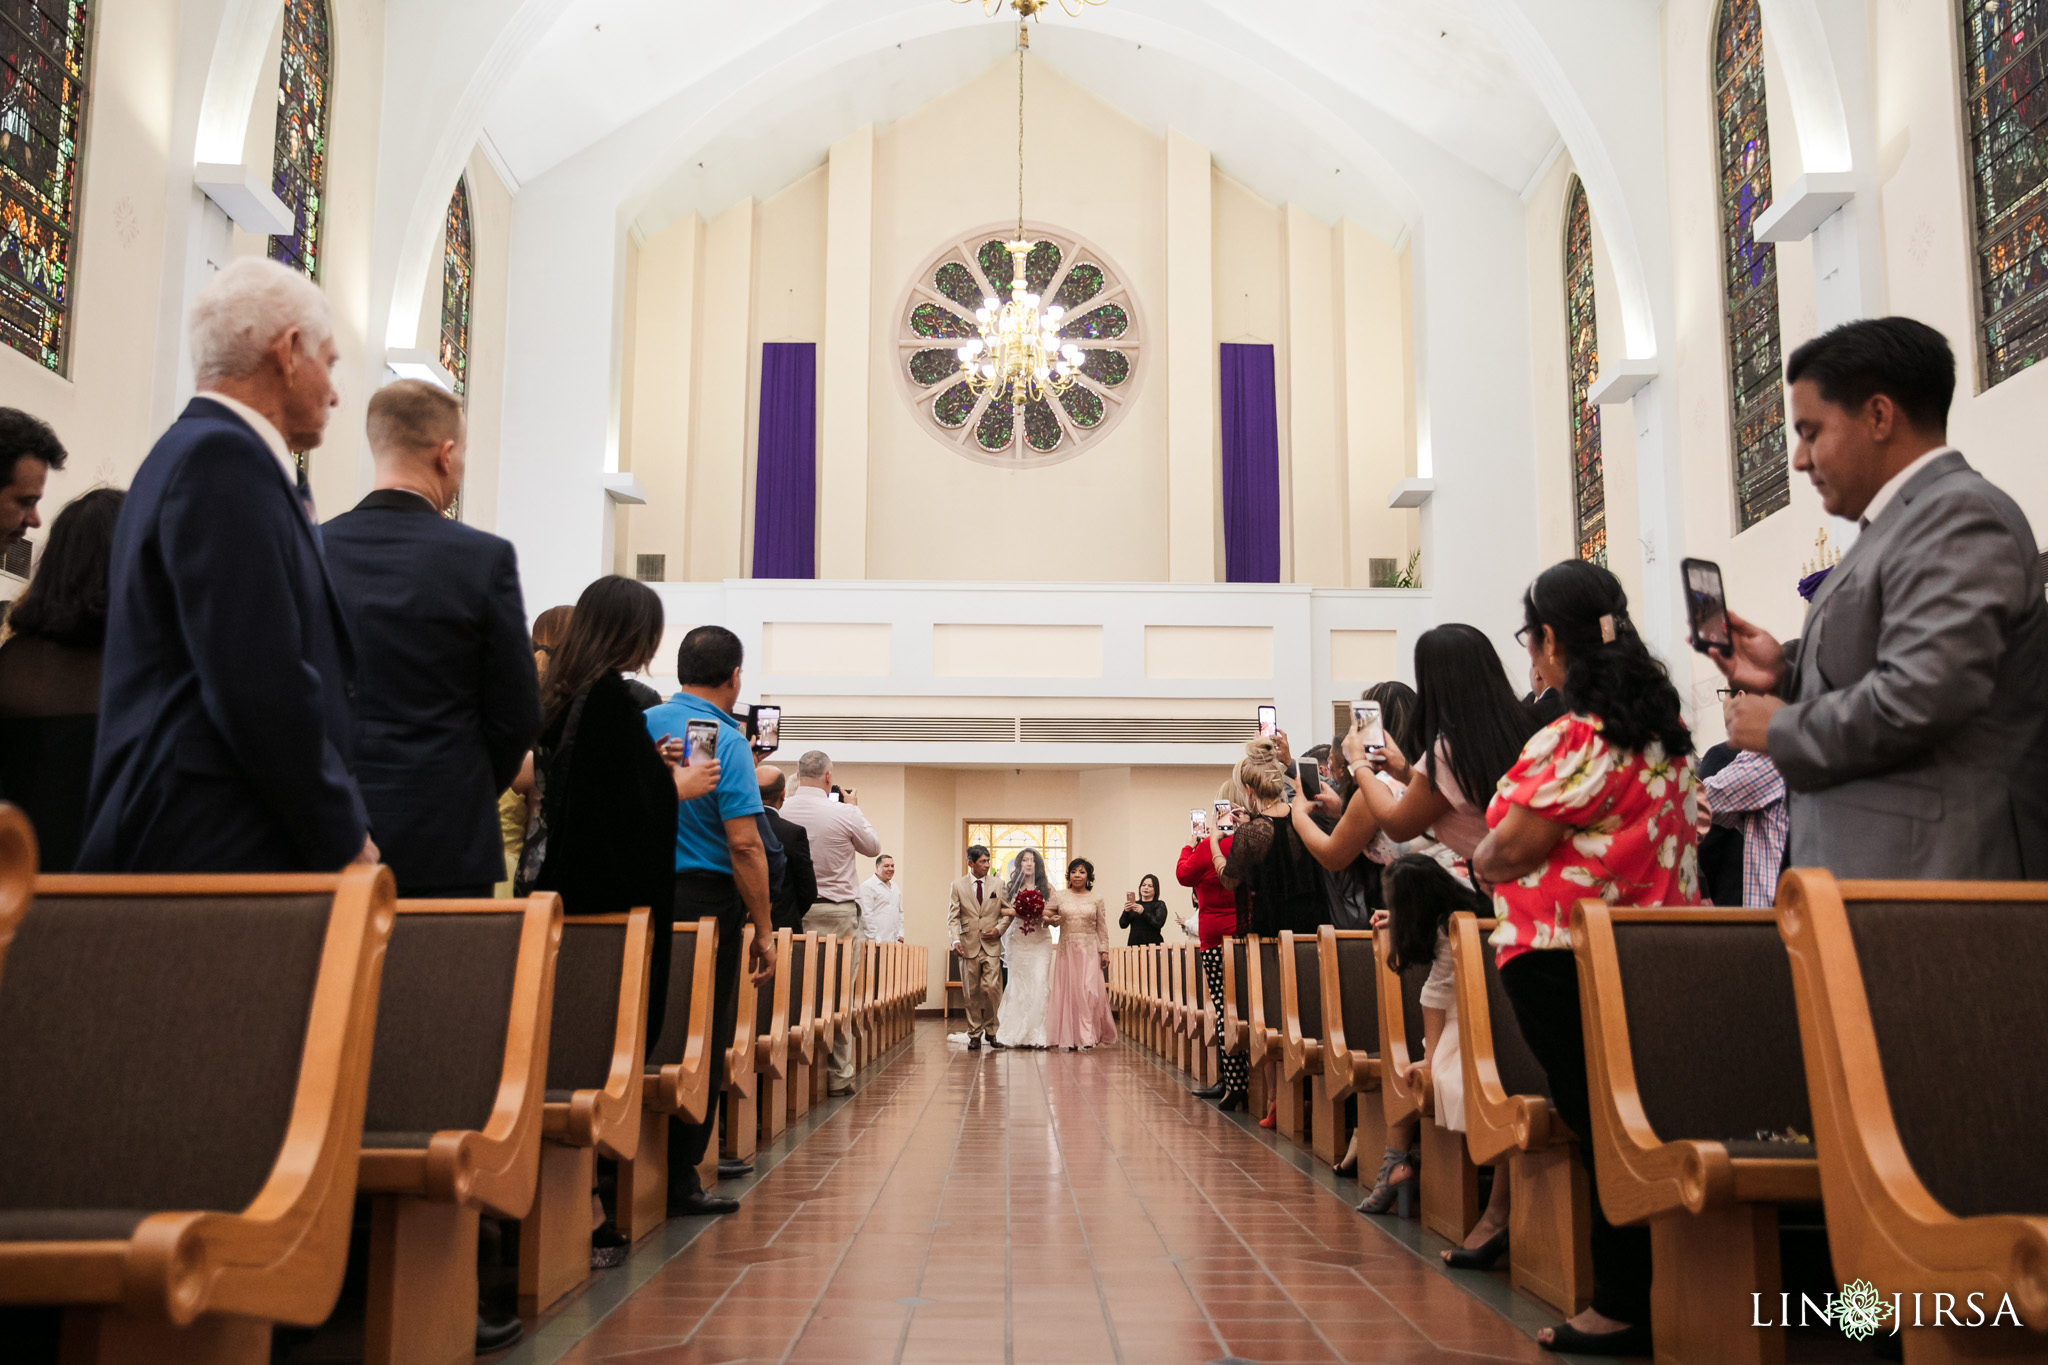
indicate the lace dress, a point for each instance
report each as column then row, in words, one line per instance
column 1021, row 1020
column 1078, row 1012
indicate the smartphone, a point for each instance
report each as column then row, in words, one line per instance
column 834, row 794
column 700, row 742
column 1366, row 716
column 1198, row 822
column 764, row 727
column 1706, row 606
column 1308, row 777
column 1269, row 722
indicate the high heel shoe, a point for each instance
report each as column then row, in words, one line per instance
column 1209, row 1092
column 1386, row 1193
column 1233, row 1099
column 1480, row 1257
column 1272, row 1113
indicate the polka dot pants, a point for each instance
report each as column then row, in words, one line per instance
column 1236, row 1075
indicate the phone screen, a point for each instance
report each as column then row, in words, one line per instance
column 1269, row 722
column 764, row 723
column 1366, row 716
column 1706, row 606
column 700, row 743
column 1308, row 777
column 1198, row 822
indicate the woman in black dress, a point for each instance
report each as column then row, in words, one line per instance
column 1144, row 914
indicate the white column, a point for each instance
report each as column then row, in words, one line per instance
column 1191, row 363
column 663, row 360
column 1315, row 469
column 843, row 384
column 718, row 442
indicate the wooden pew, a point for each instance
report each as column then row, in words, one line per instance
column 956, row 990
column 1675, row 1122
column 860, row 970
column 1448, row 1193
column 803, row 1024
column 1117, row 958
column 1349, row 989
column 676, row 1081
column 1198, row 1021
column 1921, row 1015
column 1507, row 1112
column 184, row 1063
column 1264, row 960
column 1301, row 1041
column 596, row 1045
column 829, row 1018
column 452, row 1126
column 771, row 1047
column 739, row 1140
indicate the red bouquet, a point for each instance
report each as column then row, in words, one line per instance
column 1030, row 908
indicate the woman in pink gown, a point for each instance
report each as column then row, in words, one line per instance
column 1077, row 1014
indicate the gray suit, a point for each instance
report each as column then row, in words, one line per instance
column 1914, row 740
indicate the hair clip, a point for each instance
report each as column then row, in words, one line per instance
column 1607, row 630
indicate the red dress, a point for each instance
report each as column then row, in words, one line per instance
column 1635, row 840
column 1216, row 904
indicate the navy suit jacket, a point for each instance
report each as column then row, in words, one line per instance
column 447, row 700
column 225, row 694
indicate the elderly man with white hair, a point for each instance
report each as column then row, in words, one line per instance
column 227, row 685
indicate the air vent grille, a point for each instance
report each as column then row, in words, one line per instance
column 808, row 730
column 650, row 568
column 1136, row 730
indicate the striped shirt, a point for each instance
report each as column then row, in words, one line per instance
column 1749, row 794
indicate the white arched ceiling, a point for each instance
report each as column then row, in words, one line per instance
column 1819, row 116
column 241, row 56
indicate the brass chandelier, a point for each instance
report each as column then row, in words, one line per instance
column 1019, row 351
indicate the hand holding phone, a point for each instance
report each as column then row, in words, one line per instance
column 1706, row 607
column 1269, row 721
column 764, row 728
column 700, row 743
column 1308, row 778
column 1198, row 823
column 1365, row 717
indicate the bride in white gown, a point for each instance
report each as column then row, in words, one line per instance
column 1021, row 1021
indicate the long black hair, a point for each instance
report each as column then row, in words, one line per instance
column 1468, row 703
column 1609, row 671
column 67, row 599
column 1421, row 898
column 616, row 626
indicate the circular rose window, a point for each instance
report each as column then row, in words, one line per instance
column 1098, row 315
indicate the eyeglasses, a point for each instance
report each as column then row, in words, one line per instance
column 1724, row 693
column 1525, row 635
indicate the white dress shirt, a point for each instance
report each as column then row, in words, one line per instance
column 1883, row 496
column 263, row 427
column 881, row 910
column 838, row 831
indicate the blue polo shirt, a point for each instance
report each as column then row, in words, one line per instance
column 700, row 824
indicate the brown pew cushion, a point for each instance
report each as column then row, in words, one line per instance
column 586, row 1019
column 1713, row 1028
column 675, row 1019
column 1754, row 1150
column 70, row 1225
column 1960, row 1012
column 1358, row 990
column 1308, row 988
column 149, row 1050
column 442, row 1013
column 1520, row 1073
column 1269, row 981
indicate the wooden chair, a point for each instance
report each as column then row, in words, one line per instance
column 676, row 1081
column 1349, row 989
column 771, row 1046
column 596, row 1047
column 740, row 1137
column 1448, row 1185
column 803, row 1024
column 1301, row 1041
column 1678, row 1127
column 956, row 990
column 453, row 1121
column 1921, row 1014
column 184, row 1064
column 1508, row 1113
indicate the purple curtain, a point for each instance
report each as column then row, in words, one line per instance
column 1251, row 466
column 786, row 475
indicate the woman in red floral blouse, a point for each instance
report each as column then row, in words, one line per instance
column 1601, row 803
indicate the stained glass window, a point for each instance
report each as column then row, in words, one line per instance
column 1005, row 839
column 43, row 44
column 2004, row 62
column 1589, row 487
column 458, row 262
column 1098, row 315
column 1749, row 267
column 299, row 160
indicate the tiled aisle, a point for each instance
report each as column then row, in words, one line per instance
column 1016, row 1207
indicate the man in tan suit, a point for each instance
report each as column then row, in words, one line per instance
column 975, row 917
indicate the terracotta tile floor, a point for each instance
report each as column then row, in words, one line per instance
column 1014, row 1208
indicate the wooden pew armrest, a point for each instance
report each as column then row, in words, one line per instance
column 1495, row 1121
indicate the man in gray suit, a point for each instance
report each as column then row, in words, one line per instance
column 1908, row 719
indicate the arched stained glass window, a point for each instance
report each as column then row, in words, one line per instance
column 43, row 59
column 1582, row 340
column 1749, row 267
column 299, row 161
column 458, row 263
column 2004, row 62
